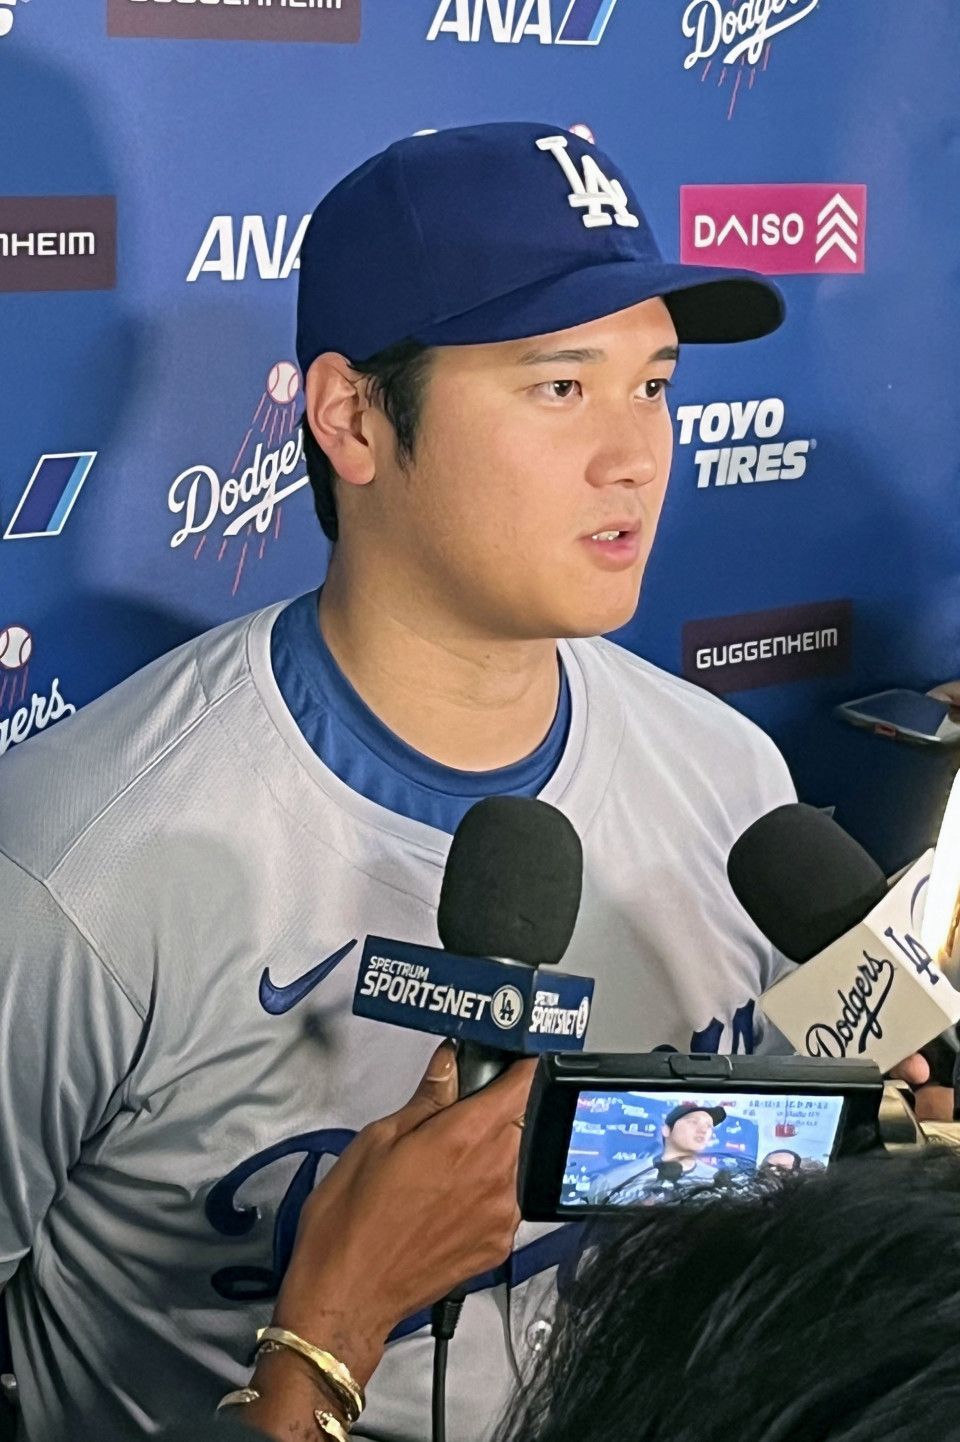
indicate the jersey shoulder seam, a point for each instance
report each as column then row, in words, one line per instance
column 208, row 709
column 85, row 937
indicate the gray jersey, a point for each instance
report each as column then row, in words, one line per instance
column 186, row 890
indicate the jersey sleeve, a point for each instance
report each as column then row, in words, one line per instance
column 68, row 1035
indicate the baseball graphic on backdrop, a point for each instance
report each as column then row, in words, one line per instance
column 16, row 643
column 6, row 22
column 283, row 382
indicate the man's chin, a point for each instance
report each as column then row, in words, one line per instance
column 600, row 620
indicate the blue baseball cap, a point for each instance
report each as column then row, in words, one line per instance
column 493, row 233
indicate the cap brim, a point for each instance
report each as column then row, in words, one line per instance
column 707, row 305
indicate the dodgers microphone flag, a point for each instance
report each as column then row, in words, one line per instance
column 517, row 1008
column 874, row 992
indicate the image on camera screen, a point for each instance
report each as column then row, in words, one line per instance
column 638, row 1148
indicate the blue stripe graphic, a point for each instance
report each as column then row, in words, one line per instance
column 585, row 22
column 49, row 495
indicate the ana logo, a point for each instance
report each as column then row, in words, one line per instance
column 51, row 494
column 250, row 499
column 20, row 718
column 58, row 242
column 768, row 648
column 590, row 192
column 737, row 35
column 764, row 457
column 582, row 22
column 776, row 229
column 228, row 246
column 323, row 20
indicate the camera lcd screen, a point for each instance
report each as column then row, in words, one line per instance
column 635, row 1148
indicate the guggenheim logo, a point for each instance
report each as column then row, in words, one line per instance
column 331, row 21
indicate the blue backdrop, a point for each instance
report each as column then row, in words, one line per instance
column 172, row 372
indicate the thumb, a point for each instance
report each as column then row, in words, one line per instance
column 439, row 1087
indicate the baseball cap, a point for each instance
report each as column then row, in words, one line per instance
column 716, row 1114
column 495, row 232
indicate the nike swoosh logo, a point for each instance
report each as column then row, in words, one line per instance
column 279, row 999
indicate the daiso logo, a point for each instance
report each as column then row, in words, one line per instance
column 802, row 229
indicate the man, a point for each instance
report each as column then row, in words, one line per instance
column 688, row 1132
column 783, row 1159
column 487, row 334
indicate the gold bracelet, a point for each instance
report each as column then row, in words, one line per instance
column 331, row 1425
column 239, row 1398
column 334, row 1373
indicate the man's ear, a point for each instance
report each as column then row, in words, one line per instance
column 336, row 404
column 664, row 1132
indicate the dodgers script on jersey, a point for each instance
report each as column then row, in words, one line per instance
column 187, row 890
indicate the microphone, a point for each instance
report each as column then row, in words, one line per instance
column 508, row 905
column 866, row 985
column 940, row 929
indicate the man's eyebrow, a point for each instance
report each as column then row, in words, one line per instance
column 538, row 358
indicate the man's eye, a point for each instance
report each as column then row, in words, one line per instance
column 558, row 390
column 653, row 390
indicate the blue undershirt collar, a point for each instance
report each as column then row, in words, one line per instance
column 371, row 759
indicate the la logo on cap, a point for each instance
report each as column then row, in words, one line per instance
column 590, row 192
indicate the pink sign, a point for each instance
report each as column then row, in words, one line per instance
column 775, row 229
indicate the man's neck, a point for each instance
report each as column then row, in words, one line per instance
column 671, row 1153
column 464, row 700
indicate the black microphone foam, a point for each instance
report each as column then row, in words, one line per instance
column 802, row 879
column 512, row 883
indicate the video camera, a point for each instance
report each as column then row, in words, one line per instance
column 604, row 1132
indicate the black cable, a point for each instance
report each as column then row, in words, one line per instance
column 444, row 1318
column 439, row 1405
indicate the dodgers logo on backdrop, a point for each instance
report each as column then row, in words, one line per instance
column 801, row 229
column 50, row 495
column 507, row 22
column 246, row 505
column 318, row 20
column 741, row 442
column 25, row 710
column 736, row 36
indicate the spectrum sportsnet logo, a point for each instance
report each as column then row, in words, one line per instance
column 250, row 499
column 776, row 229
column 768, row 648
column 20, row 718
column 318, row 20
column 764, row 457
column 507, row 22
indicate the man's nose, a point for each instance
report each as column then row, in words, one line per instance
column 625, row 455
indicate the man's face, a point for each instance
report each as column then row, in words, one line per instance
column 785, row 1161
column 691, row 1134
column 528, row 451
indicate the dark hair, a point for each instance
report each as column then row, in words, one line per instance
column 399, row 376
column 819, row 1309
